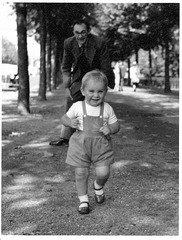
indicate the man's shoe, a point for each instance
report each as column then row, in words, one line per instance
column 60, row 142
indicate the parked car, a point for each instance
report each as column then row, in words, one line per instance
column 10, row 79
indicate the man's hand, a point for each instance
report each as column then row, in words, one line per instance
column 68, row 93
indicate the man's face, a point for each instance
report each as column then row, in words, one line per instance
column 80, row 32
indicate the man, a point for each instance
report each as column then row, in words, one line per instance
column 83, row 52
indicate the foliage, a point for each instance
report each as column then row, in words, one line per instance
column 60, row 17
column 130, row 27
column 122, row 24
column 161, row 20
column 9, row 52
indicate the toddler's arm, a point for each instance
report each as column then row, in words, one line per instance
column 68, row 122
column 110, row 129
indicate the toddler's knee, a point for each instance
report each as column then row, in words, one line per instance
column 81, row 173
column 103, row 172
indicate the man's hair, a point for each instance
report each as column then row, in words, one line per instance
column 96, row 75
column 81, row 21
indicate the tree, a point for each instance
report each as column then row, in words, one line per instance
column 163, row 19
column 49, row 48
column 43, row 33
column 23, row 93
column 129, row 27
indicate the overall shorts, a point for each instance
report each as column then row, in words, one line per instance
column 90, row 146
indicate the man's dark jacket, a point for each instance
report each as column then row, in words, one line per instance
column 97, row 56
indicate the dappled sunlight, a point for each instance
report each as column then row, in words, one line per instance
column 145, row 164
column 155, row 102
column 24, row 179
column 21, row 184
column 122, row 163
column 12, row 196
column 55, row 179
column 9, row 102
column 5, row 173
column 170, row 105
column 15, row 188
column 149, row 106
column 25, row 228
column 8, row 118
column 27, row 203
column 35, row 144
column 11, row 118
column 16, row 134
column 38, row 191
column 146, row 220
column 5, row 142
column 23, row 191
column 129, row 128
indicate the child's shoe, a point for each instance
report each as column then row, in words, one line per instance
column 99, row 198
column 84, row 209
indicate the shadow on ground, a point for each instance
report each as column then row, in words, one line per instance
column 38, row 188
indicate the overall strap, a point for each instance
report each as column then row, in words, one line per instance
column 101, row 113
column 101, row 110
column 84, row 109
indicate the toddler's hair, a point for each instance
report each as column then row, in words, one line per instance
column 96, row 75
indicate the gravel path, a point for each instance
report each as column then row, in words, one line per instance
column 38, row 188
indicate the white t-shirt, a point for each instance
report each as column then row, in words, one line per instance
column 76, row 111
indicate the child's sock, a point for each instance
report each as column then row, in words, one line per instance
column 83, row 198
column 97, row 186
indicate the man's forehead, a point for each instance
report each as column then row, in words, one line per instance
column 80, row 27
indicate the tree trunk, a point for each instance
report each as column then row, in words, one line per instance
column 167, row 88
column 136, row 55
column 150, row 64
column 49, row 48
column 54, row 68
column 129, row 79
column 42, row 83
column 48, row 73
column 24, row 91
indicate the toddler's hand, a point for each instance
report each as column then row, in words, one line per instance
column 105, row 130
column 74, row 123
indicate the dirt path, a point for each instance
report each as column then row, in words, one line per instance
column 38, row 188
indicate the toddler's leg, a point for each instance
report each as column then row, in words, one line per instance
column 81, row 176
column 102, row 175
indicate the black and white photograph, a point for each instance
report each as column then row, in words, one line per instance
column 90, row 130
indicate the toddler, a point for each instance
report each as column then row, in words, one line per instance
column 94, row 121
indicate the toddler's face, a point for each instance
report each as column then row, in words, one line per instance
column 94, row 92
